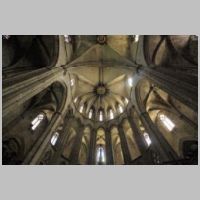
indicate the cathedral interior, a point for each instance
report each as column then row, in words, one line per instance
column 99, row 100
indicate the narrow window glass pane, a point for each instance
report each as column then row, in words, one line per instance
column 81, row 109
column 167, row 122
column 120, row 109
column 75, row 100
column 90, row 114
column 126, row 100
column 72, row 82
column 130, row 82
column 100, row 116
column 54, row 138
column 147, row 138
column 100, row 155
column 35, row 123
column 111, row 114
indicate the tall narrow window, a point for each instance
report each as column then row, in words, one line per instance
column 90, row 114
column 126, row 101
column 100, row 147
column 130, row 82
column 72, row 82
column 75, row 100
column 111, row 115
column 100, row 155
column 81, row 109
column 100, row 115
column 120, row 108
column 54, row 138
column 167, row 122
column 147, row 138
column 35, row 123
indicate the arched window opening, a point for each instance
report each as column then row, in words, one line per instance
column 81, row 109
column 72, row 82
column 75, row 100
column 120, row 109
column 38, row 113
column 130, row 81
column 100, row 115
column 126, row 100
column 147, row 138
column 173, row 118
column 111, row 114
column 167, row 122
column 141, row 127
column 54, row 138
column 90, row 114
column 100, row 147
column 101, row 158
column 35, row 123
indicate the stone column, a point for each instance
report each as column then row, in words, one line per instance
column 92, row 151
column 61, row 140
column 39, row 147
column 124, row 145
column 174, row 83
column 159, row 143
column 109, row 153
column 16, row 93
column 77, row 146
column 138, row 136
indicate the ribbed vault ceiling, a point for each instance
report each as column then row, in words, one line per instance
column 100, row 77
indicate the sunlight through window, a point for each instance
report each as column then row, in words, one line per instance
column 101, row 158
column 147, row 138
column 75, row 100
column 120, row 109
column 111, row 114
column 90, row 114
column 35, row 123
column 130, row 82
column 126, row 100
column 54, row 138
column 72, row 82
column 100, row 115
column 81, row 109
column 167, row 122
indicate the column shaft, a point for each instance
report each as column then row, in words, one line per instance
column 109, row 155
column 124, row 145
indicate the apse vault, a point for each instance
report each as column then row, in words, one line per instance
column 100, row 100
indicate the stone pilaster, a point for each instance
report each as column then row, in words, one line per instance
column 174, row 83
column 138, row 136
column 124, row 145
column 109, row 153
column 77, row 146
column 159, row 143
column 92, row 151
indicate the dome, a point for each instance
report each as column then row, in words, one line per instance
column 100, row 91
